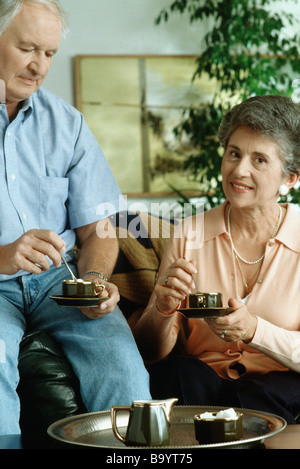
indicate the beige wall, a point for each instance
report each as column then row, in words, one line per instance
column 126, row 27
column 117, row 27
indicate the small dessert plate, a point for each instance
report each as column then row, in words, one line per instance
column 205, row 312
column 86, row 302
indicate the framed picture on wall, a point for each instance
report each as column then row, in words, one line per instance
column 132, row 105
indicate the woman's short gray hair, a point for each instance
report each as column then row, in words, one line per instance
column 276, row 117
column 10, row 8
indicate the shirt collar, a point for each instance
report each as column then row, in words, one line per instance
column 26, row 104
column 288, row 234
column 214, row 222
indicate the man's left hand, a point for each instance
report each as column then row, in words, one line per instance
column 105, row 306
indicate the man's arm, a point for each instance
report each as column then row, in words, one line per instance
column 98, row 254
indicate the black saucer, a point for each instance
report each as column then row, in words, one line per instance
column 205, row 312
column 87, row 302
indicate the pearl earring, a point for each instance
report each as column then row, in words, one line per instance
column 283, row 190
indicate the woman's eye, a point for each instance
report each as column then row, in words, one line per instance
column 260, row 160
column 234, row 154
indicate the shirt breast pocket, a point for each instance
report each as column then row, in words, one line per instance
column 53, row 203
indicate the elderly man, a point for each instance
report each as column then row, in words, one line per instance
column 53, row 179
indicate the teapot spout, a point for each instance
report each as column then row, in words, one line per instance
column 168, row 405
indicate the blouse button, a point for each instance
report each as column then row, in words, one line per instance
column 259, row 280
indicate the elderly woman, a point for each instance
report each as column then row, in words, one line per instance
column 250, row 253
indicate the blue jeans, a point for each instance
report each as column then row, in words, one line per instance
column 102, row 352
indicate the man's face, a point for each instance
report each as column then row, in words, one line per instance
column 27, row 48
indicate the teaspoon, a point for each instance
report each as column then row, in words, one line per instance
column 66, row 264
column 193, row 277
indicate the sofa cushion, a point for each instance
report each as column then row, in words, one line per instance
column 142, row 240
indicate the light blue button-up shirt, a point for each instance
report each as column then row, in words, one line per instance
column 53, row 174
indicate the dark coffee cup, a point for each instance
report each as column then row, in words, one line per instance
column 81, row 289
column 218, row 430
column 205, row 300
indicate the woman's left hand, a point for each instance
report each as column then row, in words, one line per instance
column 238, row 325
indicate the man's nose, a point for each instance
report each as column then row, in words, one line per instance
column 39, row 65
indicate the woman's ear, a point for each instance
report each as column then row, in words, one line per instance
column 290, row 182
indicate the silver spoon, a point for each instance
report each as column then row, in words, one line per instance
column 197, row 289
column 66, row 264
column 193, row 277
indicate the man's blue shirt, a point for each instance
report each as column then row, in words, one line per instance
column 53, row 174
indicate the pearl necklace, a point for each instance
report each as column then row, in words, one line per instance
column 273, row 236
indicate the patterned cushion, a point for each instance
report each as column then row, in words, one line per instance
column 142, row 239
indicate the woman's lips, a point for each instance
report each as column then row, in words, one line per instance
column 240, row 187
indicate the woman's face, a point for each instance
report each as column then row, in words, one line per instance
column 252, row 169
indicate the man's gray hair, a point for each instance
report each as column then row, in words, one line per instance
column 10, row 8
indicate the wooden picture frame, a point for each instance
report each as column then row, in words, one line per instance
column 132, row 104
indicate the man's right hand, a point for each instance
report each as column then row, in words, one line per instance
column 31, row 251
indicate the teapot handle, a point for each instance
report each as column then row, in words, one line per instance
column 113, row 414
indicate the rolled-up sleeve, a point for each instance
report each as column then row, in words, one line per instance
column 93, row 191
column 278, row 343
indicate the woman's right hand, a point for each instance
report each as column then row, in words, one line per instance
column 31, row 252
column 174, row 285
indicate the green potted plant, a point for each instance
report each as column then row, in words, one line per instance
column 248, row 52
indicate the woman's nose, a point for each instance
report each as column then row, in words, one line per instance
column 243, row 167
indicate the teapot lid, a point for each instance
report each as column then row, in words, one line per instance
column 151, row 402
column 146, row 402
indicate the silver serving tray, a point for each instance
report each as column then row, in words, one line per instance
column 94, row 430
column 205, row 312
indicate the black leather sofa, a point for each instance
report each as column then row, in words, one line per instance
column 48, row 388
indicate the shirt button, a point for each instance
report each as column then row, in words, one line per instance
column 271, row 243
column 13, row 177
column 24, row 216
column 8, row 134
column 259, row 280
